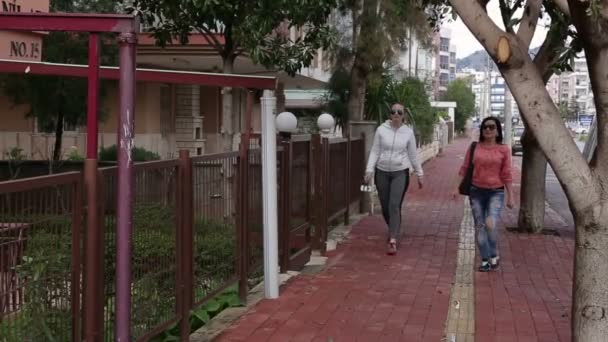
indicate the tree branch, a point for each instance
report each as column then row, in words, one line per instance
column 529, row 19
column 483, row 4
column 563, row 6
column 528, row 89
column 211, row 38
column 475, row 17
column 506, row 14
column 548, row 54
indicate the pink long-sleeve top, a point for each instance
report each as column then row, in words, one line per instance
column 492, row 166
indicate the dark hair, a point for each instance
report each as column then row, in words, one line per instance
column 498, row 129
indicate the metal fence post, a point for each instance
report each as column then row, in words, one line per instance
column 285, row 204
column 317, row 209
column 362, row 171
column 242, row 218
column 348, row 180
column 185, row 238
column 125, row 187
column 93, row 305
column 77, row 212
column 321, row 161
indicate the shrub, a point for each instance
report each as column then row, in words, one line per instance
column 74, row 155
column 139, row 154
column 44, row 268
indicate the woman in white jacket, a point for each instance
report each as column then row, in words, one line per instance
column 392, row 156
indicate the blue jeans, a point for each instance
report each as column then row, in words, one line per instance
column 486, row 205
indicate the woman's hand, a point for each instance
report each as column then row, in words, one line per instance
column 420, row 182
column 455, row 193
column 368, row 177
column 510, row 201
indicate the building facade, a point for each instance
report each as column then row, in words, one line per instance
column 445, row 62
column 573, row 89
column 169, row 117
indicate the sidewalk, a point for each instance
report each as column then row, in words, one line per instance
column 530, row 299
column 365, row 295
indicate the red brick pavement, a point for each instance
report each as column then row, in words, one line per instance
column 365, row 295
column 530, row 298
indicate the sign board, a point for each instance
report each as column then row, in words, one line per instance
column 22, row 46
column 585, row 120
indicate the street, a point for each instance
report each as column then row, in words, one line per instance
column 554, row 193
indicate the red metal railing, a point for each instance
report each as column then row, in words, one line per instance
column 214, row 190
column 40, row 260
column 197, row 230
column 339, row 166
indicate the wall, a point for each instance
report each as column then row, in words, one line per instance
column 18, row 131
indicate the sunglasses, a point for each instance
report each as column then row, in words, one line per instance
column 490, row 127
column 397, row 111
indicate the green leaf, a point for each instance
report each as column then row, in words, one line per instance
column 234, row 301
column 202, row 315
column 213, row 306
column 513, row 22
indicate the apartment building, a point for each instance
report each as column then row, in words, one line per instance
column 446, row 62
column 573, row 86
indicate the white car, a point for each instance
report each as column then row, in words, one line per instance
column 581, row 130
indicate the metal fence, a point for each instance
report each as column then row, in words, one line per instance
column 40, row 258
column 215, row 232
column 197, row 230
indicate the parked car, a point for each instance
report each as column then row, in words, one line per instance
column 581, row 130
column 516, row 140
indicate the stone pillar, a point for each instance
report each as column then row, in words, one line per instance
column 369, row 129
column 452, row 128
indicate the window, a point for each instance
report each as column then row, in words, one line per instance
column 197, row 133
column 199, row 151
column 444, row 62
column 49, row 127
column 444, row 80
column 444, row 44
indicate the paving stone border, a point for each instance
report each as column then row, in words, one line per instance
column 460, row 324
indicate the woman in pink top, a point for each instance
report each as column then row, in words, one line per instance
column 492, row 179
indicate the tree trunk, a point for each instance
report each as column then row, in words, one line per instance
column 363, row 21
column 227, row 131
column 532, row 195
column 590, row 298
column 585, row 185
column 356, row 98
column 534, row 162
column 58, row 137
column 590, row 294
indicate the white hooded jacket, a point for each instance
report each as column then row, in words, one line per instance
column 394, row 149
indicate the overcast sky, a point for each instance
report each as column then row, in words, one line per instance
column 466, row 42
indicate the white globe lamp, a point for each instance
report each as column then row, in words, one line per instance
column 325, row 122
column 286, row 122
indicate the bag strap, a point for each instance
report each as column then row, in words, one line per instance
column 472, row 150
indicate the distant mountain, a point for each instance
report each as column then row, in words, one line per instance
column 478, row 60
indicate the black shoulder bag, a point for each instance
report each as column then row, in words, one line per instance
column 465, row 185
